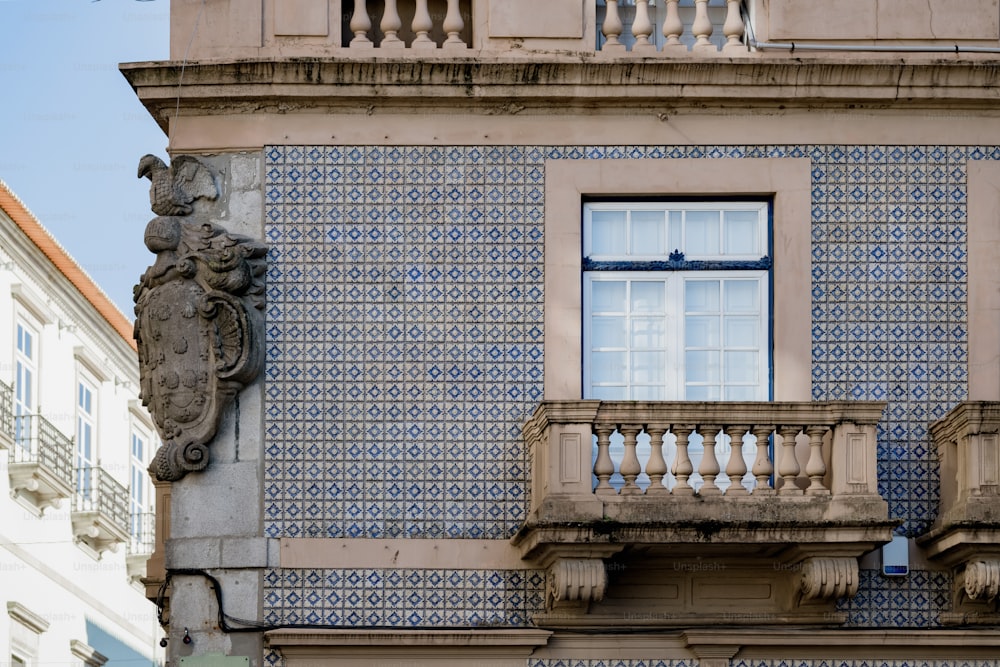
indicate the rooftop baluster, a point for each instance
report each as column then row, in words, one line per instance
column 408, row 24
column 671, row 27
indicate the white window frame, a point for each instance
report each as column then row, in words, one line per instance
column 139, row 484
column 675, row 384
column 25, row 365
column 86, row 424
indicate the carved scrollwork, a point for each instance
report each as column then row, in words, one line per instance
column 576, row 580
column 829, row 578
column 982, row 579
column 199, row 314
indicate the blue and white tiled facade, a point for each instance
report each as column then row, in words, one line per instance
column 405, row 348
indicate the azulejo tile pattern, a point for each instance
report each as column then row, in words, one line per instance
column 653, row 662
column 404, row 339
column 916, row 662
column 402, row 598
column 914, row 601
column 404, row 334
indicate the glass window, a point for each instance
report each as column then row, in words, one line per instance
column 676, row 301
column 86, row 433
column 25, row 381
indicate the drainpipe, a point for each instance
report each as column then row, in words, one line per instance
column 879, row 48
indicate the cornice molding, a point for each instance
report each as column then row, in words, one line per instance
column 492, row 84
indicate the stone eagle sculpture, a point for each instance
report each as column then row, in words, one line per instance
column 199, row 315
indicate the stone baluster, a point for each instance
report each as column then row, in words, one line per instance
column 673, row 27
column 604, row 467
column 682, row 467
column 630, row 467
column 788, row 467
column 709, row 468
column 612, row 28
column 360, row 25
column 762, row 466
column 642, row 28
column 815, row 466
column 736, row 467
column 702, row 27
column 390, row 25
column 422, row 25
column 453, row 25
column 656, row 467
column 733, row 27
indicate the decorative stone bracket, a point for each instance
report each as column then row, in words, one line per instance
column 199, row 315
column 829, row 578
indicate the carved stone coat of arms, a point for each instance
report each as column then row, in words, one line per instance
column 199, row 315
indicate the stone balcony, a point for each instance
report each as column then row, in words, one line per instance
column 41, row 464
column 100, row 511
column 701, row 510
column 966, row 535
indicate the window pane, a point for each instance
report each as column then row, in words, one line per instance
column 702, row 365
column 648, row 333
column 740, row 233
column 607, row 296
column 701, row 296
column 702, row 233
column 742, row 394
column 741, row 367
column 648, row 394
column 607, row 367
column 648, row 233
column 701, row 332
column 675, row 226
column 741, row 296
column 607, row 232
column 647, row 296
column 608, row 332
column 741, row 332
column 648, row 368
column 701, row 393
column 609, row 393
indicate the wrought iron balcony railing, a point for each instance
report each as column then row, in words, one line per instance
column 142, row 533
column 41, row 462
column 6, row 413
column 100, row 510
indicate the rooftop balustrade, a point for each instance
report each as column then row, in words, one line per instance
column 792, row 485
column 617, row 29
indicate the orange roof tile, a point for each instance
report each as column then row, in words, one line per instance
column 66, row 265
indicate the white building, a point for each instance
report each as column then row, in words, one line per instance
column 75, row 499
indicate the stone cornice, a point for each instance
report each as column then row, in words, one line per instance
column 507, row 85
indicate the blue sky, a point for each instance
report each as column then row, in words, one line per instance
column 72, row 131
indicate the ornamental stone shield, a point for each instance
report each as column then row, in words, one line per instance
column 199, row 315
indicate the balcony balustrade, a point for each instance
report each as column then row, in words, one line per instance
column 40, row 463
column 966, row 535
column 100, row 510
column 6, row 416
column 142, row 537
column 781, row 496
